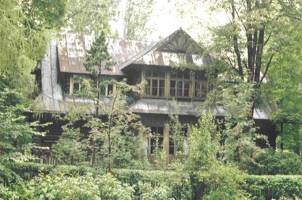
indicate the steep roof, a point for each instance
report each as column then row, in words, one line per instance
column 72, row 48
column 177, row 48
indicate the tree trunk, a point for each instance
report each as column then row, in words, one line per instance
column 198, row 188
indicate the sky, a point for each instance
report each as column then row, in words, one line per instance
column 194, row 17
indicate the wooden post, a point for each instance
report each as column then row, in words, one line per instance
column 167, row 84
column 71, row 85
column 192, row 85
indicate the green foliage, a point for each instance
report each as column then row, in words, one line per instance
column 284, row 88
column 16, row 134
column 274, row 187
column 271, row 162
column 204, row 145
column 222, row 182
column 76, row 188
column 89, row 16
column 125, row 139
column 69, row 149
column 209, row 177
column 177, row 133
column 25, row 27
column 137, row 14
column 98, row 57
column 156, row 184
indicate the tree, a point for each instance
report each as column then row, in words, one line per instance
column 284, row 89
column 89, row 16
column 68, row 149
column 98, row 59
column 209, row 177
column 25, row 27
column 137, row 14
column 16, row 134
column 247, row 44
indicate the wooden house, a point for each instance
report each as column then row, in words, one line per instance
column 168, row 90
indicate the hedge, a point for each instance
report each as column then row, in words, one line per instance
column 176, row 185
column 274, row 187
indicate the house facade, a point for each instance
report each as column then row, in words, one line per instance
column 168, row 88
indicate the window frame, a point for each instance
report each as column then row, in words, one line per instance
column 159, row 81
column 180, row 78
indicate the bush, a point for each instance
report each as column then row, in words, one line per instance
column 221, row 182
column 273, row 162
column 75, row 188
column 156, row 184
column 274, row 187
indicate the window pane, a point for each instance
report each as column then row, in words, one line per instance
column 186, row 74
column 197, row 89
column 179, row 88
column 171, row 146
column 172, row 88
column 76, row 87
column 161, row 92
column 110, row 89
column 154, row 87
column 147, row 88
column 161, row 83
column 186, row 88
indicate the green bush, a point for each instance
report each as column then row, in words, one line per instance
column 274, row 187
column 273, row 162
column 155, row 184
column 70, row 188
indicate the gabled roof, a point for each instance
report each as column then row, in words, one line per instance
column 177, row 48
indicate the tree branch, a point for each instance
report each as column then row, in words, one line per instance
column 235, row 43
column 266, row 68
column 268, row 38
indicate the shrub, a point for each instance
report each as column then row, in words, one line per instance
column 75, row 188
column 156, row 184
column 272, row 162
column 274, row 187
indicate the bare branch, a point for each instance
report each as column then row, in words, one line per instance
column 268, row 38
column 266, row 68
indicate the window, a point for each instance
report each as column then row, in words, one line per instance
column 156, row 139
column 155, row 83
column 107, row 90
column 201, row 86
column 66, row 84
column 180, row 84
